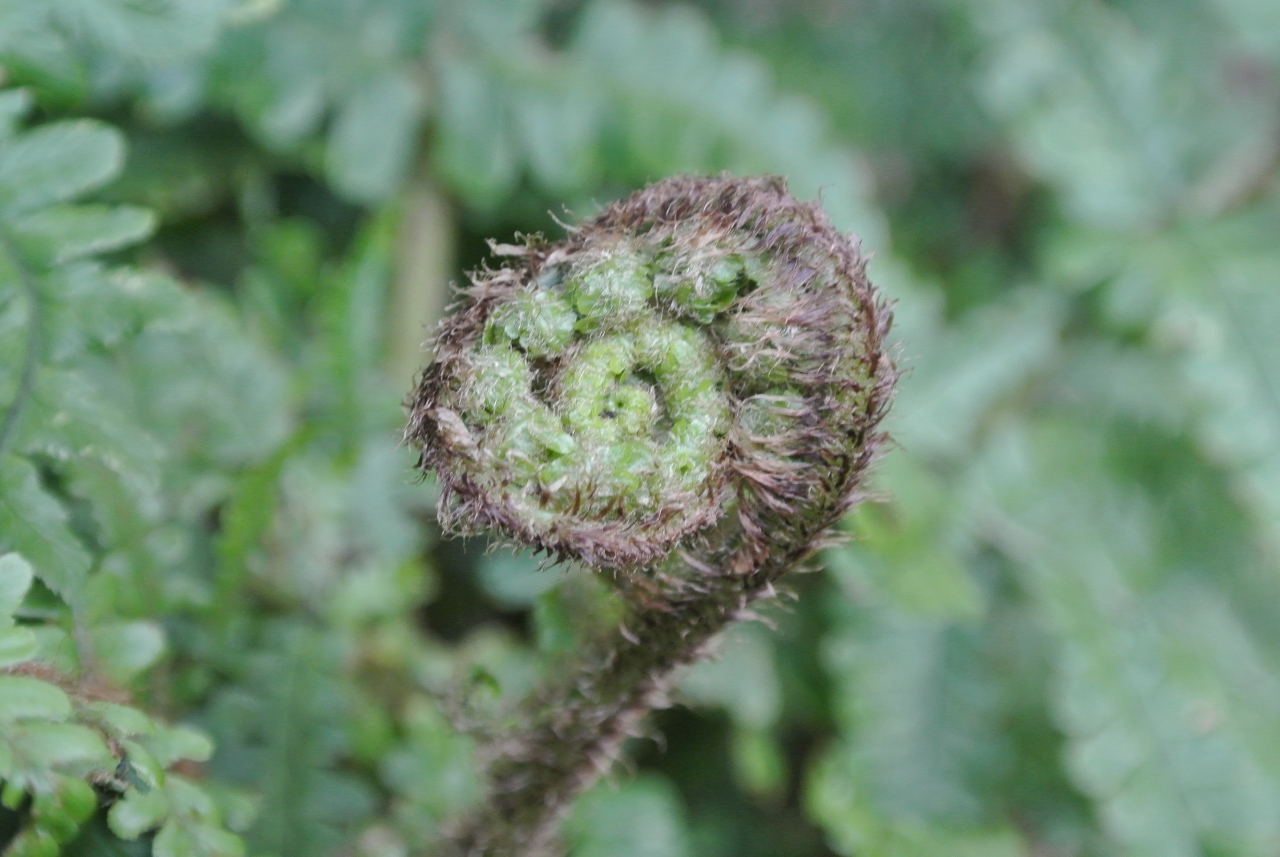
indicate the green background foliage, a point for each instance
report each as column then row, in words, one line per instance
column 229, row 624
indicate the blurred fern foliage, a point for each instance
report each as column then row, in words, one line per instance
column 229, row 625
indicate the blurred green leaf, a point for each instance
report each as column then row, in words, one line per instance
column 514, row 579
column 15, row 579
column 476, row 152
column 560, row 131
column 371, row 141
column 16, row 645
column 1165, row 783
column 174, row 840
column 118, row 721
column 958, row 373
column 62, row 233
column 35, row 525
column 125, row 649
column 14, row 105
column 432, row 771
column 923, row 708
column 137, row 813
column 741, row 679
column 639, row 819
column 839, row 803
column 1255, row 23
column 150, row 32
column 25, row 697
column 70, row 419
column 286, row 728
column 42, row 747
column 179, row 742
column 57, row 162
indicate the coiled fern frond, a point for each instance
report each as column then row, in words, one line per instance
column 686, row 391
column 703, row 347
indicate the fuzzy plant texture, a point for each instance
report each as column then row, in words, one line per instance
column 684, row 395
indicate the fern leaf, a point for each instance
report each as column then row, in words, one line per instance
column 1166, row 782
column 282, row 733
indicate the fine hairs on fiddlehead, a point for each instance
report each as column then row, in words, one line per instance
column 684, row 394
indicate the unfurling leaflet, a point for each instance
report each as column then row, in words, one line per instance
column 684, row 393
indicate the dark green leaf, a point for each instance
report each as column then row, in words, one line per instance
column 15, row 580
column 372, row 139
column 62, row 233
column 57, row 162
column 35, row 524
column 25, row 697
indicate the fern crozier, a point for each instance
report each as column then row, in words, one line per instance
column 685, row 392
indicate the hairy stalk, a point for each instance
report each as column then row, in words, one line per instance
column 31, row 354
column 684, row 393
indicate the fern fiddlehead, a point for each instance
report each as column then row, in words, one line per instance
column 685, row 392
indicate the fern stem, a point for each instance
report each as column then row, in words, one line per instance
column 576, row 726
column 31, row 353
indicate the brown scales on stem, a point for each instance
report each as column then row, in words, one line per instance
column 806, row 379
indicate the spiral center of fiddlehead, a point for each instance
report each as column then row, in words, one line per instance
column 633, row 410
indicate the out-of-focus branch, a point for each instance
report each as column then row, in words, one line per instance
column 424, row 269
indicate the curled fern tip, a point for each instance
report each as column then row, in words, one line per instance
column 685, row 391
column 705, row 347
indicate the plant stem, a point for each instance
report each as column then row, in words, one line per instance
column 577, row 726
column 424, row 268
